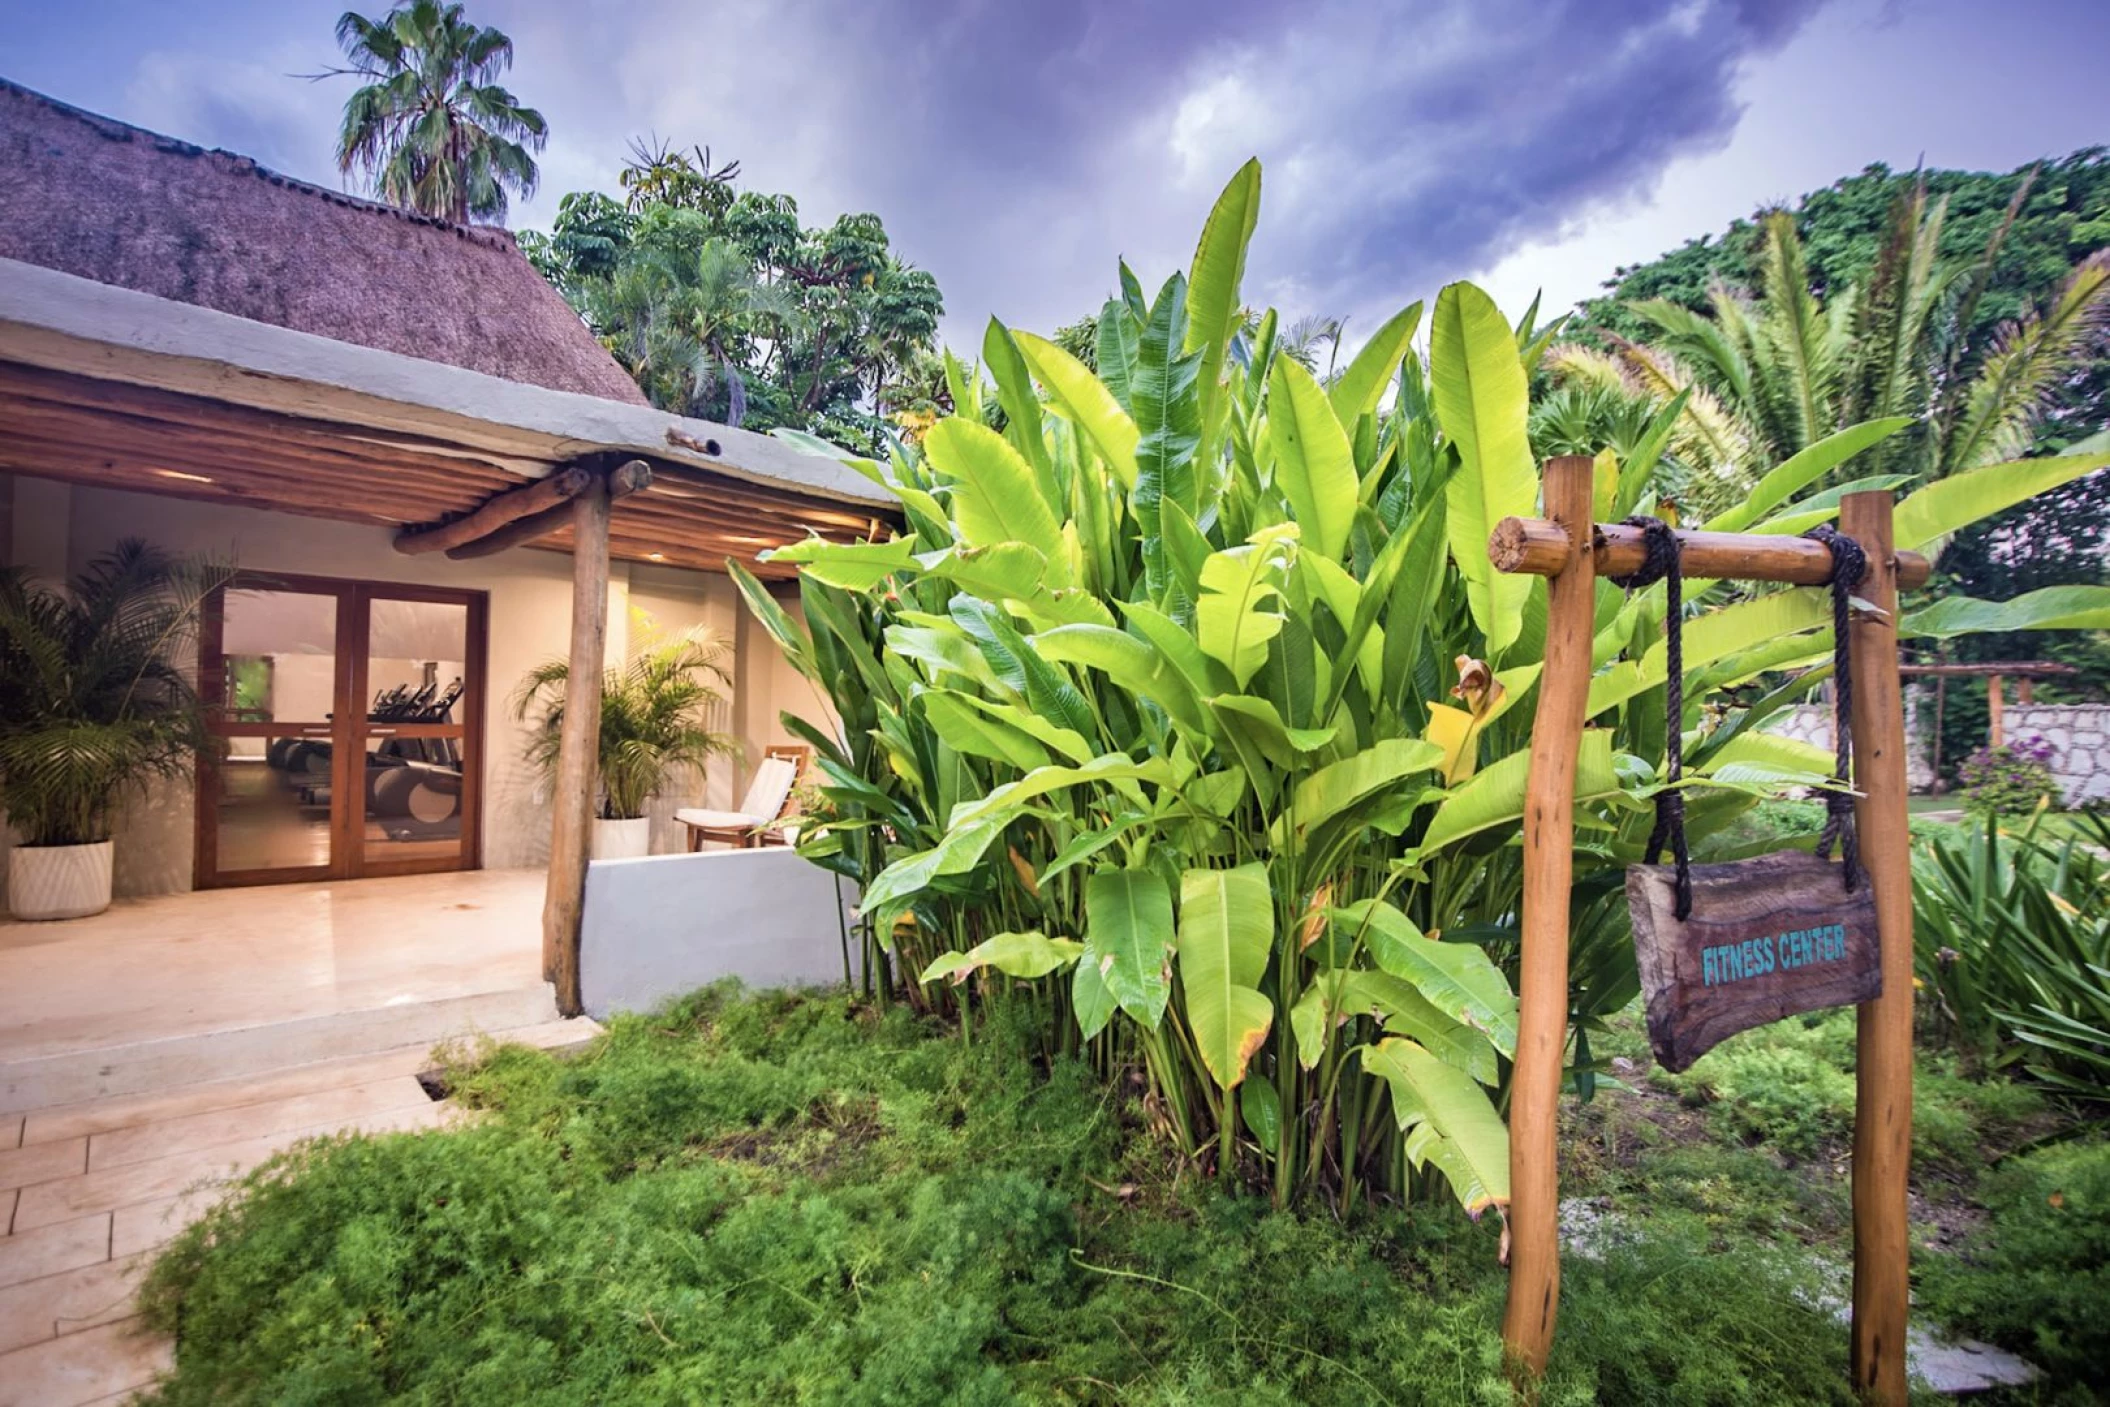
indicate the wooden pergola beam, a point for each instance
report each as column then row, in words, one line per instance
column 519, row 531
column 496, row 512
column 2020, row 669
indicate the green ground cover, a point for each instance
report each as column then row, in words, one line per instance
column 797, row 1199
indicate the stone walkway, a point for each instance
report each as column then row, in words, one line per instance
column 89, row 1192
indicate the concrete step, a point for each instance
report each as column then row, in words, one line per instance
column 254, row 1051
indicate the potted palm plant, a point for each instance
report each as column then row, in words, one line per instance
column 654, row 727
column 95, row 703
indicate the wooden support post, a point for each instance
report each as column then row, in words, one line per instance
column 1995, row 705
column 497, row 511
column 572, row 797
column 1549, row 843
column 1883, row 1064
column 2025, row 690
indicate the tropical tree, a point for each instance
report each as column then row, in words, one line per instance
column 430, row 127
column 655, row 713
column 1189, row 710
column 1770, row 374
column 722, row 305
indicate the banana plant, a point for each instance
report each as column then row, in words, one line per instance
column 1188, row 705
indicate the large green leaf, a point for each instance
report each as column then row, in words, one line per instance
column 999, row 572
column 1006, row 801
column 995, row 497
column 1481, row 397
column 966, row 729
column 1362, row 386
column 1227, row 926
column 960, row 851
column 1022, row 955
column 1404, row 1011
column 1461, row 1132
column 1084, row 399
column 1253, row 723
column 2051, row 608
column 1066, row 741
column 1802, row 469
column 852, row 566
column 1131, row 663
column 1128, row 936
column 1314, row 463
column 1495, row 794
column 1213, row 285
column 1458, row 979
column 1339, row 785
column 1232, row 621
column 1932, row 513
column 1165, row 394
column 1014, row 391
column 1714, row 636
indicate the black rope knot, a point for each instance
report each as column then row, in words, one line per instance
column 1662, row 557
column 1849, row 565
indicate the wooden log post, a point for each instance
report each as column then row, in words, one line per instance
column 1883, row 1062
column 1995, row 707
column 572, row 796
column 1549, row 841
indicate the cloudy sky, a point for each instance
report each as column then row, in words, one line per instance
column 1016, row 148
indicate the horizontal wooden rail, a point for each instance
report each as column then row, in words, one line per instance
column 1536, row 547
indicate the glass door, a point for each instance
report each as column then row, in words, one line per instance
column 419, row 671
column 267, row 803
column 348, row 716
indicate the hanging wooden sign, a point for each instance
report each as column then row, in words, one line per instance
column 1766, row 939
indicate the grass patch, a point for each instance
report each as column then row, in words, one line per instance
column 782, row 1199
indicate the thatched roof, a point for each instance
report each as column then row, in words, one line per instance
column 102, row 200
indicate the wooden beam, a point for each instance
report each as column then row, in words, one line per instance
column 1883, row 1039
column 631, row 476
column 1536, row 547
column 2023, row 669
column 495, row 512
column 572, row 795
column 1542, row 995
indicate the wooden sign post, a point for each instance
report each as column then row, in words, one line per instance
column 1569, row 549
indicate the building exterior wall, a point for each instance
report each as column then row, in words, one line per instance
column 56, row 528
column 2079, row 735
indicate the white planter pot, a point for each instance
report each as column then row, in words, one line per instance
column 622, row 840
column 58, row 881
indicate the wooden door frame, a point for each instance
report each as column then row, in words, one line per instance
column 349, row 729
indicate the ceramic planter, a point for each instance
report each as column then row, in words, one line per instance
column 58, row 881
column 622, row 840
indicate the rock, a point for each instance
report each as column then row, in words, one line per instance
column 1966, row 1366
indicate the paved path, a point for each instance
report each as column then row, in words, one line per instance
column 89, row 1192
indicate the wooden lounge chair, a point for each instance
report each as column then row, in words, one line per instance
column 768, row 797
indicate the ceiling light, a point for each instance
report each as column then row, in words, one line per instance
column 187, row 478
column 655, row 556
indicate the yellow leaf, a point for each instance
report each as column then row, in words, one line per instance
column 1452, row 730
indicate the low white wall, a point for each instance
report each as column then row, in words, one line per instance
column 2079, row 735
column 659, row 928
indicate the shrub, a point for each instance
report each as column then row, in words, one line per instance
column 2012, row 937
column 2038, row 1278
column 776, row 1199
column 2012, row 780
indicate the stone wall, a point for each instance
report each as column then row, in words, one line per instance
column 2079, row 735
column 1812, row 723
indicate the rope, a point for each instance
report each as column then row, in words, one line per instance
column 1849, row 563
column 1661, row 562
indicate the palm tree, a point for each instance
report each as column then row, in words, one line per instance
column 654, row 712
column 1772, row 374
column 431, row 129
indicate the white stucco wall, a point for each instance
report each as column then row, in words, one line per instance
column 2079, row 735
column 1812, row 723
column 54, row 527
